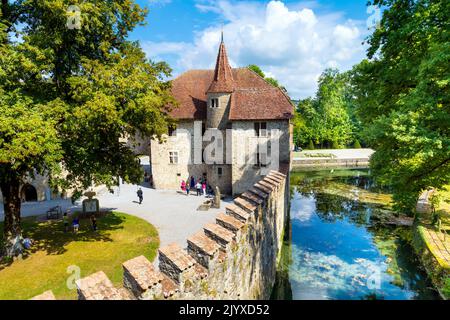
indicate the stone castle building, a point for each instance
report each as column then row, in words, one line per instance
column 243, row 107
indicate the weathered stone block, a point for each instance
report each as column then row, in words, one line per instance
column 263, row 188
column 47, row 295
column 173, row 261
column 256, row 199
column 237, row 212
column 246, row 205
column 229, row 222
column 140, row 277
column 219, row 234
column 97, row 287
column 202, row 248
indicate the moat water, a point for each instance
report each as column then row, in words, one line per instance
column 336, row 249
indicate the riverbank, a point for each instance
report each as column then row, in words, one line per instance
column 432, row 250
column 433, row 245
column 332, row 159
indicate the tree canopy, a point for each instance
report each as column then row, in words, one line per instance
column 326, row 120
column 402, row 97
column 69, row 95
column 274, row 82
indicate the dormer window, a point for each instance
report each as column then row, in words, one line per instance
column 214, row 103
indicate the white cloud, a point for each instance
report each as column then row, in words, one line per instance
column 292, row 44
column 159, row 3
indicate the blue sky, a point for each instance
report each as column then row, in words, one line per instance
column 293, row 41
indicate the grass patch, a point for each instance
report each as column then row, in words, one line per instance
column 120, row 238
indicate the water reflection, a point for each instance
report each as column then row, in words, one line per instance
column 336, row 252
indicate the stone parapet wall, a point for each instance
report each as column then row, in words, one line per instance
column 234, row 258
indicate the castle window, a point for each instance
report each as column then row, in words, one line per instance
column 219, row 171
column 173, row 157
column 260, row 129
column 261, row 132
column 214, row 103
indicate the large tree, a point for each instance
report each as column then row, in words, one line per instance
column 70, row 91
column 326, row 119
column 403, row 97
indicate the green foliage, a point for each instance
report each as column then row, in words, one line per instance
column 402, row 97
column 357, row 145
column 335, row 145
column 68, row 97
column 311, row 145
column 257, row 70
column 325, row 119
column 274, row 82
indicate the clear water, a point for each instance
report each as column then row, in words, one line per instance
column 336, row 252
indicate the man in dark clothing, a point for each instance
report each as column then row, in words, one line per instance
column 192, row 182
column 140, row 195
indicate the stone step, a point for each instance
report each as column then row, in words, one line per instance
column 169, row 287
column 263, row 188
column 252, row 198
column 229, row 222
column 246, row 205
column 237, row 212
column 173, row 260
column 47, row 295
column 202, row 248
column 140, row 275
column 97, row 287
column 275, row 177
column 277, row 173
column 219, row 234
column 267, row 185
column 275, row 184
column 259, row 193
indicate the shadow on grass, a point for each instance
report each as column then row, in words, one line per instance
column 49, row 236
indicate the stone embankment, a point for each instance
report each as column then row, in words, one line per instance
column 234, row 258
column 333, row 159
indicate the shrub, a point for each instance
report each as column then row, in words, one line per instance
column 357, row 145
column 311, row 145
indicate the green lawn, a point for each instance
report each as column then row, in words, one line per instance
column 120, row 237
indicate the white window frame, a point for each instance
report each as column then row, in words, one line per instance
column 261, row 132
column 174, row 155
column 215, row 103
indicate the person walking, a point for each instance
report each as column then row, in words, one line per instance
column 198, row 186
column 183, row 186
column 94, row 222
column 188, row 188
column 192, row 182
column 140, row 195
column 66, row 221
column 204, row 188
column 76, row 224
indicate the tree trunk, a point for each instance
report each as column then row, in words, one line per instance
column 11, row 203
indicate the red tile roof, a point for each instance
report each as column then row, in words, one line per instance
column 252, row 97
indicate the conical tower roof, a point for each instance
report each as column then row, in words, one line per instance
column 223, row 81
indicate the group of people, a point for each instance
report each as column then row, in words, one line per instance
column 191, row 184
column 76, row 222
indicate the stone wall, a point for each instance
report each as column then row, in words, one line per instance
column 169, row 176
column 234, row 258
column 245, row 174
